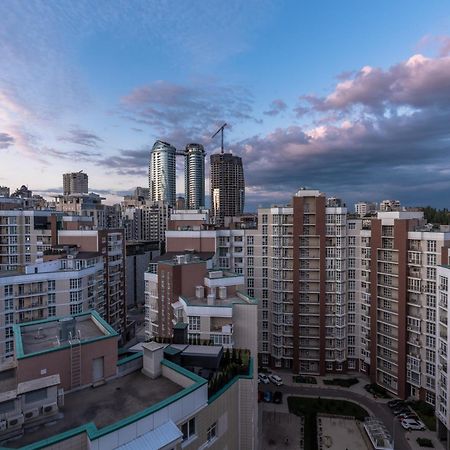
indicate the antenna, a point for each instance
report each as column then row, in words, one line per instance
column 215, row 134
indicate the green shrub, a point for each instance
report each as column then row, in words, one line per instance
column 343, row 382
column 424, row 442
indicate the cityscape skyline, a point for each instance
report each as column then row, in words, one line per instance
column 374, row 126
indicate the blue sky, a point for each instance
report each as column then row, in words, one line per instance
column 349, row 97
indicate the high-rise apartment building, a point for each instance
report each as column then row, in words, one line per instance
column 24, row 236
column 146, row 221
column 111, row 244
column 162, row 173
column 75, row 183
column 194, row 176
column 296, row 263
column 227, row 186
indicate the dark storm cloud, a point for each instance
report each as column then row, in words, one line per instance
column 6, row 140
column 81, row 137
column 378, row 134
column 181, row 114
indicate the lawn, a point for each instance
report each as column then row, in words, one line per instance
column 303, row 379
column 425, row 412
column 342, row 382
column 310, row 407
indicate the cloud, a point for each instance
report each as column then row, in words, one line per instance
column 377, row 134
column 128, row 162
column 418, row 82
column 276, row 107
column 6, row 140
column 185, row 113
column 81, row 137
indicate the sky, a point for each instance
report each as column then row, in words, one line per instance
column 349, row 97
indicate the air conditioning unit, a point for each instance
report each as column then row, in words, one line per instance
column 15, row 421
column 31, row 414
column 50, row 408
column 3, row 425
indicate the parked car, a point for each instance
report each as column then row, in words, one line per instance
column 401, row 410
column 278, row 397
column 263, row 378
column 411, row 424
column 396, row 403
column 407, row 416
column 267, row 396
column 276, row 380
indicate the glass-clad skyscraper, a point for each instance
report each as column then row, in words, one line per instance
column 162, row 173
column 194, row 176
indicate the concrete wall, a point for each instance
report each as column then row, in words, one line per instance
column 245, row 331
column 136, row 265
column 58, row 362
column 199, row 244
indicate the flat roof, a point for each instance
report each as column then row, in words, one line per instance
column 42, row 336
column 219, row 302
column 104, row 405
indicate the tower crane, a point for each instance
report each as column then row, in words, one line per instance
column 217, row 132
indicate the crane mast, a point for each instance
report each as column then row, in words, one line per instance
column 221, row 132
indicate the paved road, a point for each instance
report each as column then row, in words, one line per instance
column 379, row 410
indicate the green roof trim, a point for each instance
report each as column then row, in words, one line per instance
column 17, row 329
column 94, row 433
column 129, row 358
column 171, row 351
column 180, row 326
column 249, row 376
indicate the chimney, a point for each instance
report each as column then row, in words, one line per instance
column 211, row 298
column 222, row 292
column 199, row 292
column 153, row 355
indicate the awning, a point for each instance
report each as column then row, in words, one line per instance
column 160, row 437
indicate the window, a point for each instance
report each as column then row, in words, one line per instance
column 9, row 347
column 74, row 309
column 51, row 285
column 211, row 433
column 188, row 429
column 9, row 291
column 35, row 396
column 9, row 304
column 51, row 311
column 431, row 246
column 9, row 319
column 194, row 323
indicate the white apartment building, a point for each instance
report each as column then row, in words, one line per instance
column 60, row 287
column 363, row 208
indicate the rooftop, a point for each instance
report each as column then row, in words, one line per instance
column 47, row 335
column 239, row 299
column 104, row 405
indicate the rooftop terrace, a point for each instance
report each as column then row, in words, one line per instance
column 104, row 405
